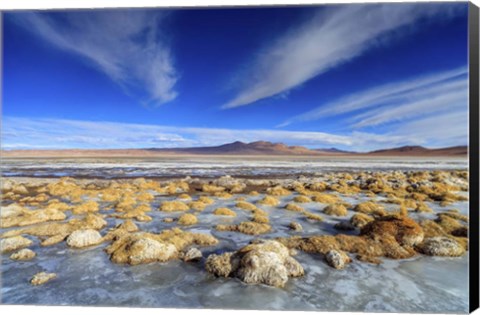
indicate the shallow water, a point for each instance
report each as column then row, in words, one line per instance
column 87, row 277
column 214, row 166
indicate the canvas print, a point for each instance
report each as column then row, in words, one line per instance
column 271, row 158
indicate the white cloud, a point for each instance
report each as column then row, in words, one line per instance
column 442, row 130
column 30, row 133
column 407, row 99
column 332, row 37
column 125, row 45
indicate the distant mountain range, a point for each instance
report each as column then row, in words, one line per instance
column 239, row 148
column 422, row 151
column 242, row 148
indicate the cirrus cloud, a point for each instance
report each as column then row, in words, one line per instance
column 332, row 37
column 127, row 46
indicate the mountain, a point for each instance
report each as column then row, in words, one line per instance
column 239, row 148
column 242, row 148
column 421, row 151
column 334, row 151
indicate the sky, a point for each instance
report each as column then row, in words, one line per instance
column 353, row 76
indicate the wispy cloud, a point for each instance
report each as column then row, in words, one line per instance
column 397, row 101
column 126, row 45
column 331, row 38
column 441, row 130
column 30, row 133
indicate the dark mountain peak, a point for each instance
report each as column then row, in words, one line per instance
column 236, row 143
column 406, row 148
column 261, row 143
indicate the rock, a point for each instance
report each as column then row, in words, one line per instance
column 246, row 205
column 23, row 254
column 441, row 246
column 222, row 265
column 344, row 226
column 224, row 211
column 269, row 201
column 171, row 206
column 370, row 208
column 193, row 254
column 223, row 195
column 11, row 210
column 278, row 191
column 206, row 200
column 128, row 225
column 295, row 226
column 187, row 219
column 84, row 238
column 14, row 243
column 212, row 188
column 336, row 210
column 325, row 198
column 42, row 277
column 405, row 230
column 145, row 250
column 258, row 267
column 87, row 207
column 168, row 220
column 141, row 247
column 251, row 228
column 268, row 262
column 197, row 205
column 313, row 216
column 55, row 239
column 337, row 259
column 30, row 217
column 294, row 207
column 184, row 197
column 302, row 199
column 359, row 220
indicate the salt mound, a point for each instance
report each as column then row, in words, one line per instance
column 251, row 228
column 302, row 199
column 193, row 254
column 224, row 211
column 269, row 201
column 141, row 247
column 84, row 238
column 337, row 259
column 336, row 210
column 370, row 208
column 405, row 230
column 171, row 206
column 187, row 219
column 267, row 263
column 42, row 277
column 14, row 243
column 359, row 220
column 23, row 254
column 295, row 226
column 441, row 246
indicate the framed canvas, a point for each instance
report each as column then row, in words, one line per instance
column 317, row 157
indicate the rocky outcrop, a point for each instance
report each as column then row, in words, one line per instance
column 14, row 243
column 23, row 254
column 141, row 247
column 84, row 238
column 268, row 262
column 337, row 259
column 441, row 246
column 42, row 277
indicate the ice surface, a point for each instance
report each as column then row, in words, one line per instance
column 214, row 166
column 87, row 277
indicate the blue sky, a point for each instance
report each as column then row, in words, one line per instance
column 356, row 77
